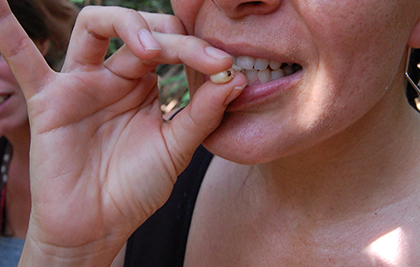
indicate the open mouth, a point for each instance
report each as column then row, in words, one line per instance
column 260, row 71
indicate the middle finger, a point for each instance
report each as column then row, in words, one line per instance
column 175, row 49
column 96, row 25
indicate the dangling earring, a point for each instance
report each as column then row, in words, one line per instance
column 407, row 69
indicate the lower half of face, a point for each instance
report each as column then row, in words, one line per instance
column 298, row 117
column 348, row 56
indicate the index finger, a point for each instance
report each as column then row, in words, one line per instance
column 26, row 61
column 164, row 23
column 96, row 25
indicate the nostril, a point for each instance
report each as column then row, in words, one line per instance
column 253, row 3
column 240, row 8
column 250, row 4
column 257, row 7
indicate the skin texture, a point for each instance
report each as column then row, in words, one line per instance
column 310, row 170
column 335, row 42
column 319, row 148
column 95, row 102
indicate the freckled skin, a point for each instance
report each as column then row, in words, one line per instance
column 350, row 51
column 315, row 154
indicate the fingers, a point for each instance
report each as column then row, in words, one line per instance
column 200, row 118
column 194, row 52
column 94, row 27
column 143, row 50
column 164, row 23
column 25, row 60
column 175, row 49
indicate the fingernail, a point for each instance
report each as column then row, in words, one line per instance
column 216, row 53
column 234, row 94
column 148, row 41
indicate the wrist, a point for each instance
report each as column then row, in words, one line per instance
column 36, row 253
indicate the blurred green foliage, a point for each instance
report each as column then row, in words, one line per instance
column 158, row 6
column 155, row 6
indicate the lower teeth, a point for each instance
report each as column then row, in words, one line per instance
column 267, row 75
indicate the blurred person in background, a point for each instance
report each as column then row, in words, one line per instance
column 49, row 24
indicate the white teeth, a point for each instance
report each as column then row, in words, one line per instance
column 261, row 64
column 275, row 65
column 277, row 74
column 245, row 62
column 251, row 75
column 264, row 76
column 236, row 67
column 263, row 70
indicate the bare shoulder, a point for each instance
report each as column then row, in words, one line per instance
column 241, row 232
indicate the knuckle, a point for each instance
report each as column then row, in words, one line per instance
column 173, row 25
column 20, row 45
column 128, row 17
column 86, row 11
column 188, row 40
column 131, row 13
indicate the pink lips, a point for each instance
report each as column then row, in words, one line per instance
column 259, row 94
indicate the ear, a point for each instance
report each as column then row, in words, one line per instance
column 414, row 39
column 43, row 46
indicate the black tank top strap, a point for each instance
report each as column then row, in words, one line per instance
column 5, row 157
column 162, row 239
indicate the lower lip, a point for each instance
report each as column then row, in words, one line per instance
column 256, row 95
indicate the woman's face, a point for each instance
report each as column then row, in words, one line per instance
column 13, row 111
column 345, row 55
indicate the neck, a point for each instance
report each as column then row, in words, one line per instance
column 369, row 166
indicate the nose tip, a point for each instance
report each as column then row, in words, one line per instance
column 240, row 8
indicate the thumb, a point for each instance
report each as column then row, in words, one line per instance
column 200, row 118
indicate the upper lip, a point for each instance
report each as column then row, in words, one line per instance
column 246, row 49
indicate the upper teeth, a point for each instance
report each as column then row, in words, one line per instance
column 263, row 69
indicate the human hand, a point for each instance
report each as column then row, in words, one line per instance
column 102, row 158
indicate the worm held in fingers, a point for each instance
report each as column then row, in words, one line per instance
column 223, row 77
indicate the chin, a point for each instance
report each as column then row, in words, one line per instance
column 250, row 140
column 235, row 154
column 244, row 143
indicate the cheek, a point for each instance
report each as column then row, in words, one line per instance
column 6, row 74
column 357, row 27
column 187, row 11
column 21, row 112
column 351, row 36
